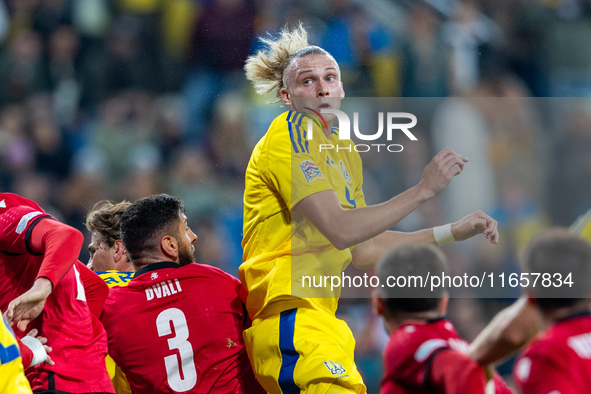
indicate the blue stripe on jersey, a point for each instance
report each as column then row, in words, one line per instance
column 8, row 354
column 301, row 136
column 304, row 136
column 289, row 356
column 334, row 131
column 299, row 131
column 351, row 200
column 295, row 147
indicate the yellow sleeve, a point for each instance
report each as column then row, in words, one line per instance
column 120, row 383
column 12, row 374
column 294, row 166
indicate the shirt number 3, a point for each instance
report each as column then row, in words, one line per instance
column 179, row 341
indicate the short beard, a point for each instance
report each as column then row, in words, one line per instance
column 185, row 255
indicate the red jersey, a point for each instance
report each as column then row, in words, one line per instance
column 431, row 358
column 179, row 329
column 559, row 360
column 77, row 338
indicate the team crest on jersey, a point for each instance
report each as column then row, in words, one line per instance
column 334, row 367
column 310, row 170
column 154, row 275
column 345, row 172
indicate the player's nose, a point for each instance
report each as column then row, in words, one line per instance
column 192, row 236
column 323, row 89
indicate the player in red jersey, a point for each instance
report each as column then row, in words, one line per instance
column 424, row 354
column 183, row 321
column 557, row 361
column 41, row 288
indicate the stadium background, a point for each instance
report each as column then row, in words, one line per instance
column 119, row 99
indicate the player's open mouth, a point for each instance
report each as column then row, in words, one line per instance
column 325, row 105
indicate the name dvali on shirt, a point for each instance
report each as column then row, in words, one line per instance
column 163, row 289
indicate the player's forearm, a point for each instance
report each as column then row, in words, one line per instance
column 512, row 328
column 367, row 254
column 355, row 226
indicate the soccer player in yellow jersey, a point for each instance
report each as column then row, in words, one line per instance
column 305, row 214
column 109, row 260
column 12, row 374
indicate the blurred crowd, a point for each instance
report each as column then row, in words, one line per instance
column 119, row 99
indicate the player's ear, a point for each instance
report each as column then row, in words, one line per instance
column 119, row 251
column 443, row 303
column 169, row 247
column 285, row 97
column 342, row 91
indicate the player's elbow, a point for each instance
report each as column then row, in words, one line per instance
column 340, row 239
column 74, row 236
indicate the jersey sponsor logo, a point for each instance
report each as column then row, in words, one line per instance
column 334, row 367
column 523, row 368
column 581, row 344
column 3, row 204
column 163, row 289
column 310, row 170
column 22, row 225
column 154, row 275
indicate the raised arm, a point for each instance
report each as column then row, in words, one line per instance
column 366, row 254
column 510, row 329
column 345, row 228
column 367, row 227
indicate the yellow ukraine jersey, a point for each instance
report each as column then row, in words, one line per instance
column 285, row 167
column 12, row 375
column 120, row 384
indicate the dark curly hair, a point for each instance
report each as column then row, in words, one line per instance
column 146, row 221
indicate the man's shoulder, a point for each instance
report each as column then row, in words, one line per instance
column 568, row 338
column 419, row 341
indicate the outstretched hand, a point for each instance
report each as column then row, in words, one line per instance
column 440, row 171
column 474, row 224
column 23, row 309
column 34, row 334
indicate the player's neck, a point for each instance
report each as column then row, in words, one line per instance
column 142, row 263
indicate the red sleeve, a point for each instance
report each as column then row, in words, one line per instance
column 452, row 372
column 26, row 353
column 95, row 288
column 60, row 245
